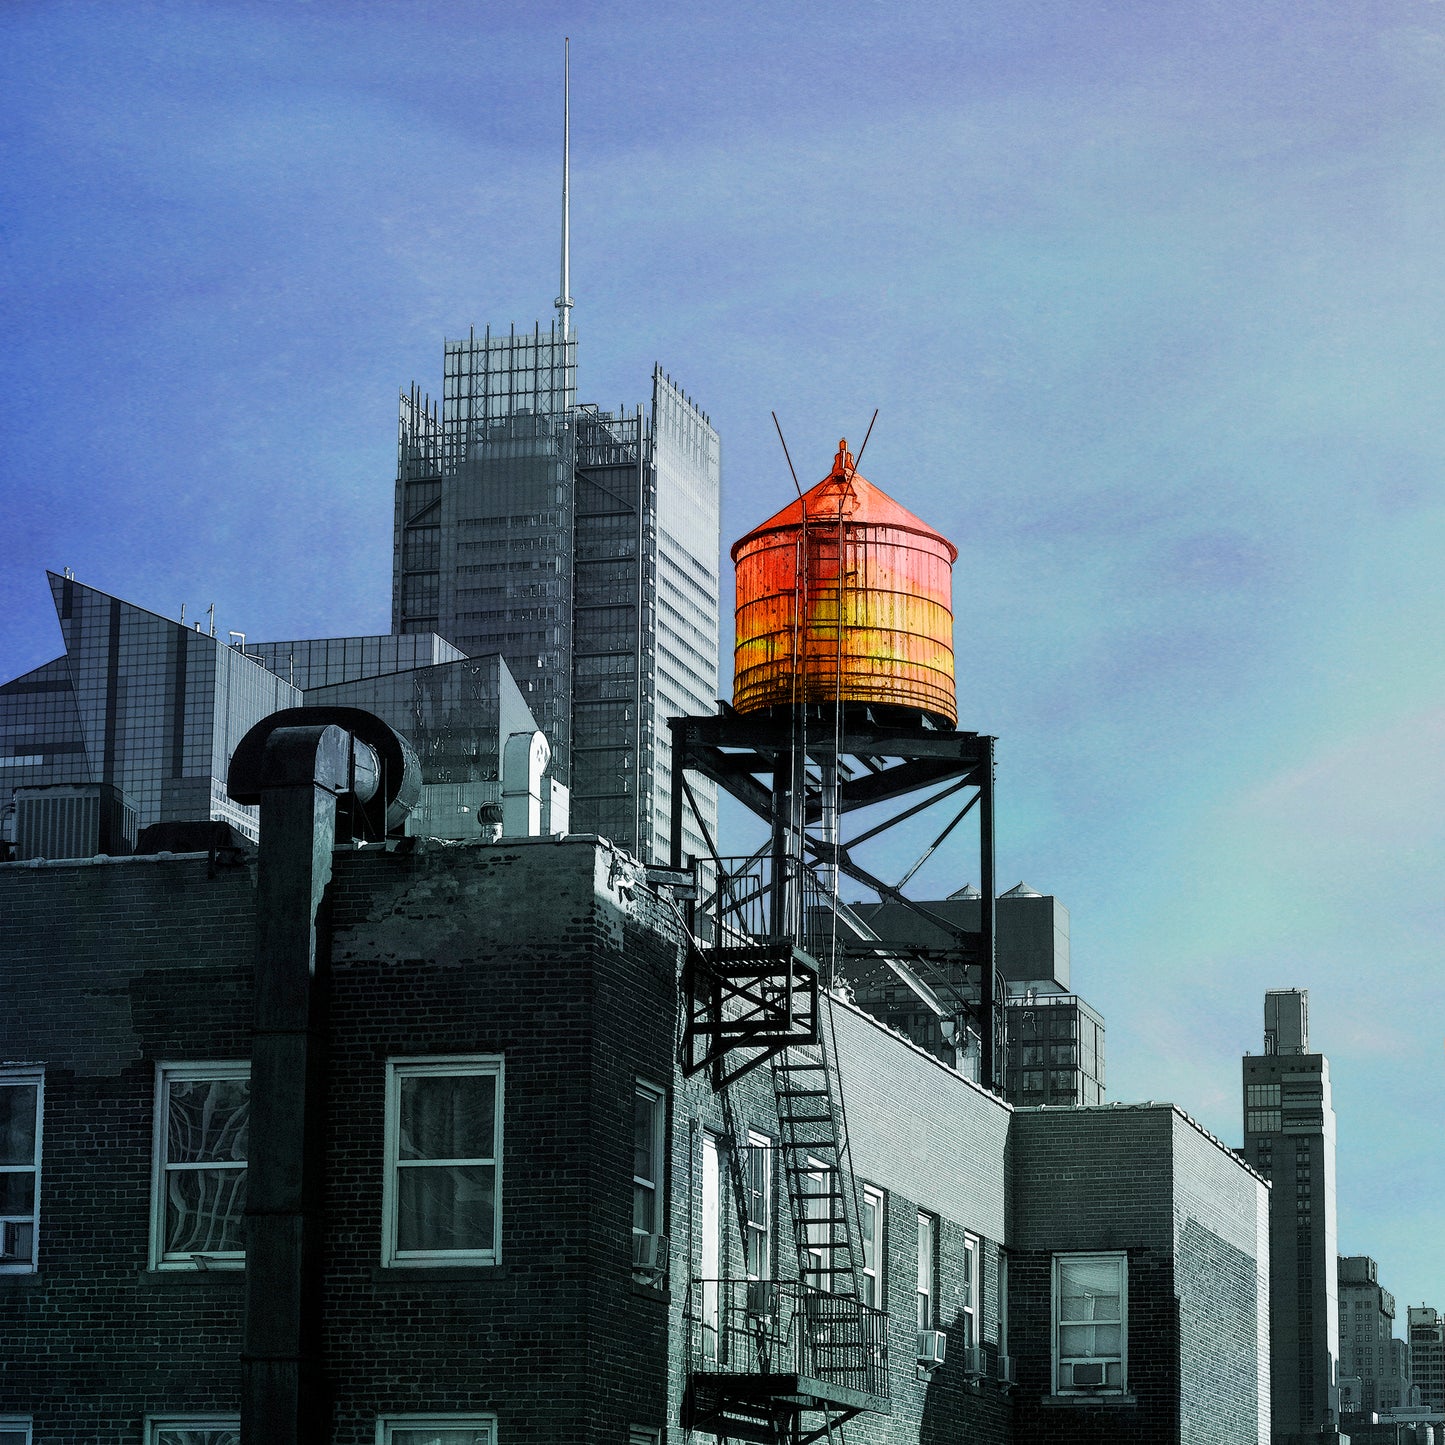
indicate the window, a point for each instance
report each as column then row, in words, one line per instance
column 192, row 1430
column 20, row 1115
column 14, row 1430
column 1262, row 1121
column 441, row 1193
column 927, row 1270
column 759, row 1181
column 1002, row 1303
column 969, row 1290
column 649, row 1119
column 198, row 1184
column 875, row 1250
column 1262, row 1096
column 1090, row 1310
column 436, row 1430
column 711, row 1243
column 818, row 1203
column 644, row 1435
column 649, row 1154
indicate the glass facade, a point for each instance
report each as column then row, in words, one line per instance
column 1055, row 1052
column 457, row 716
column 322, row 661
column 582, row 547
column 140, row 703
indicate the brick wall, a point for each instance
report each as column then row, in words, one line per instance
column 1191, row 1220
column 109, row 968
column 929, row 1139
column 545, row 953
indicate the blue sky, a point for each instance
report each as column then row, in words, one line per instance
column 1149, row 298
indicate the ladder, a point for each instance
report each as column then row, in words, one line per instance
column 817, row 1169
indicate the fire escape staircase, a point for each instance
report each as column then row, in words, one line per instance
column 795, row 1359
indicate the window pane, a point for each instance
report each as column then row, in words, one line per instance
column 447, row 1207
column 1089, row 1341
column 203, row 1436
column 1089, row 1289
column 12, row 1437
column 207, row 1120
column 17, row 1193
column 644, row 1208
column 17, row 1123
column 448, row 1116
column 204, row 1210
column 644, row 1135
column 434, row 1435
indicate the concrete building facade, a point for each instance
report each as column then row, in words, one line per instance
column 1427, row 1354
column 1374, row 1365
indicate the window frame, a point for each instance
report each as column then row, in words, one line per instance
column 387, row 1424
column 876, row 1274
column 927, row 1300
column 1057, row 1324
column 759, row 1231
column 23, row 1077
column 13, row 1423
column 970, row 1291
column 656, row 1097
column 817, row 1182
column 154, row 1424
column 439, row 1066
column 714, row 1246
column 183, row 1071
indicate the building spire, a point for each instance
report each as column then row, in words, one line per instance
column 564, row 301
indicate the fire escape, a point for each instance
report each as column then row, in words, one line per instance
column 789, row 1361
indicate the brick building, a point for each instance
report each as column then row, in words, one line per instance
column 535, row 1227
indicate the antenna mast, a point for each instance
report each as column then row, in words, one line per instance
column 564, row 301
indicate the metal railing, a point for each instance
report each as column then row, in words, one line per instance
column 783, row 1327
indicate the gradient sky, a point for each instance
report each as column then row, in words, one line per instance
column 1150, row 299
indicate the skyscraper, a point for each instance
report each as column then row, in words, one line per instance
column 580, row 545
column 1289, row 1137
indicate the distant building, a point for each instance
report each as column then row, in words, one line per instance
column 1055, row 1038
column 1289, row 1136
column 1371, row 1358
column 1427, row 1354
column 582, row 547
column 456, row 711
column 134, row 725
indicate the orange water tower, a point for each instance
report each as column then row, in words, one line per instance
column 892, row 590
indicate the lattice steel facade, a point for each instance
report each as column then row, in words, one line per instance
column 579, row 545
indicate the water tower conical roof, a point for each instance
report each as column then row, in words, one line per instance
column 862, row 502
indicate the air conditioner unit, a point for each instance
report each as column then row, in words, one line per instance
column 1007, row 1371
column 649, row 1254
column 973, row 1360
column 763, row 1298
column 10, row 1251
column 1089, row 1374
column 932, row 1345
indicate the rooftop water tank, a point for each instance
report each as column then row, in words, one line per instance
column 894, row 591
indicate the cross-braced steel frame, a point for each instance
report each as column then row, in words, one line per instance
column 790, row 776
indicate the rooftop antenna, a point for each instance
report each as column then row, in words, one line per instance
column 564, row 301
